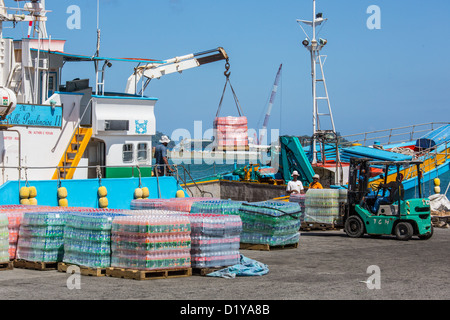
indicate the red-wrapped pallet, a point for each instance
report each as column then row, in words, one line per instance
column 231, row 131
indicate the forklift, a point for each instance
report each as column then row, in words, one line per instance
column 402, row 218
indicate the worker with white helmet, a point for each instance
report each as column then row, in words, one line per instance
column 160, row 152
column 295, row 185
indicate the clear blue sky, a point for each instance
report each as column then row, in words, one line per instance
column 377, row 79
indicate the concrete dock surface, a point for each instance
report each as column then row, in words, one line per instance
column 326, row 266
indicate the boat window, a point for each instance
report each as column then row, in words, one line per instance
column 127, row 155
column 142, row 152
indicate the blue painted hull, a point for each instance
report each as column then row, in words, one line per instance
column 411, row 187
column 83, row 193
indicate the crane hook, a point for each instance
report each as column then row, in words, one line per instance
column 227, row 68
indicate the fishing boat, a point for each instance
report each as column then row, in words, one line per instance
column 76, row 134
column 427, row 142
column 328, row 154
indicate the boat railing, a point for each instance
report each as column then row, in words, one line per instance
column 187, row 184
column 393, row 135
column 432, row 158
column 181, row 174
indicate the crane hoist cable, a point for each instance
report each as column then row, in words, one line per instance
column 227, row 81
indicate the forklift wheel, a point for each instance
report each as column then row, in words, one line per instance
column 404, row 231
column 354, row 227
column 427, row 235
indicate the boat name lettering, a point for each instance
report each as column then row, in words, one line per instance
column 35, row 115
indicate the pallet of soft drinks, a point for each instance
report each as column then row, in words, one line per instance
column 150, row 244
column 270, row 225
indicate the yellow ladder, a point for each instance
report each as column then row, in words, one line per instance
column 73, row 153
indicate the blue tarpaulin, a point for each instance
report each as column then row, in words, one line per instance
column 246, row 267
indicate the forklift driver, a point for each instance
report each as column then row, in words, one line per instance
column 396, row 192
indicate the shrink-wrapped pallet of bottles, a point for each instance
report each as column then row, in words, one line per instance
column 147, row 204
column 215, row 240
column 14, row 222
column 150, row 212
column 151, row 242
column 4, row 238
column 300, row 199
column 231, row 132
column 41, row 236
column 39, row 240
column 343, row 194
column 215, row 206
column 214, row 237
column 87, row 238
column 322, row 206
column 172, row 204
column 15, row 214
column 270, row 222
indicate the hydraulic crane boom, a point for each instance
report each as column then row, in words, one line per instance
column 178, row 64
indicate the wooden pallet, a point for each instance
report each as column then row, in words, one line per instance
column 148, row 274
column 266, row 247
column 311, row 226
column 9, row 265
column 85, row 271
column 35, row 265
column 205, row 271
column 440, row 221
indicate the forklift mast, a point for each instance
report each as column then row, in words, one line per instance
column 358, row 183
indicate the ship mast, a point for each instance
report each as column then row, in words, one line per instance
column 314, row 46
column 98, row 84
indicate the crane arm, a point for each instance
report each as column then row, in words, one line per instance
column 177, row 64
column 269, row 108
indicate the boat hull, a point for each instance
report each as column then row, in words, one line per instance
column 83, row 193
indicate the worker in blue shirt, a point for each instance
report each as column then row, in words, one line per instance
column 396, row 192
column 161, row 156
